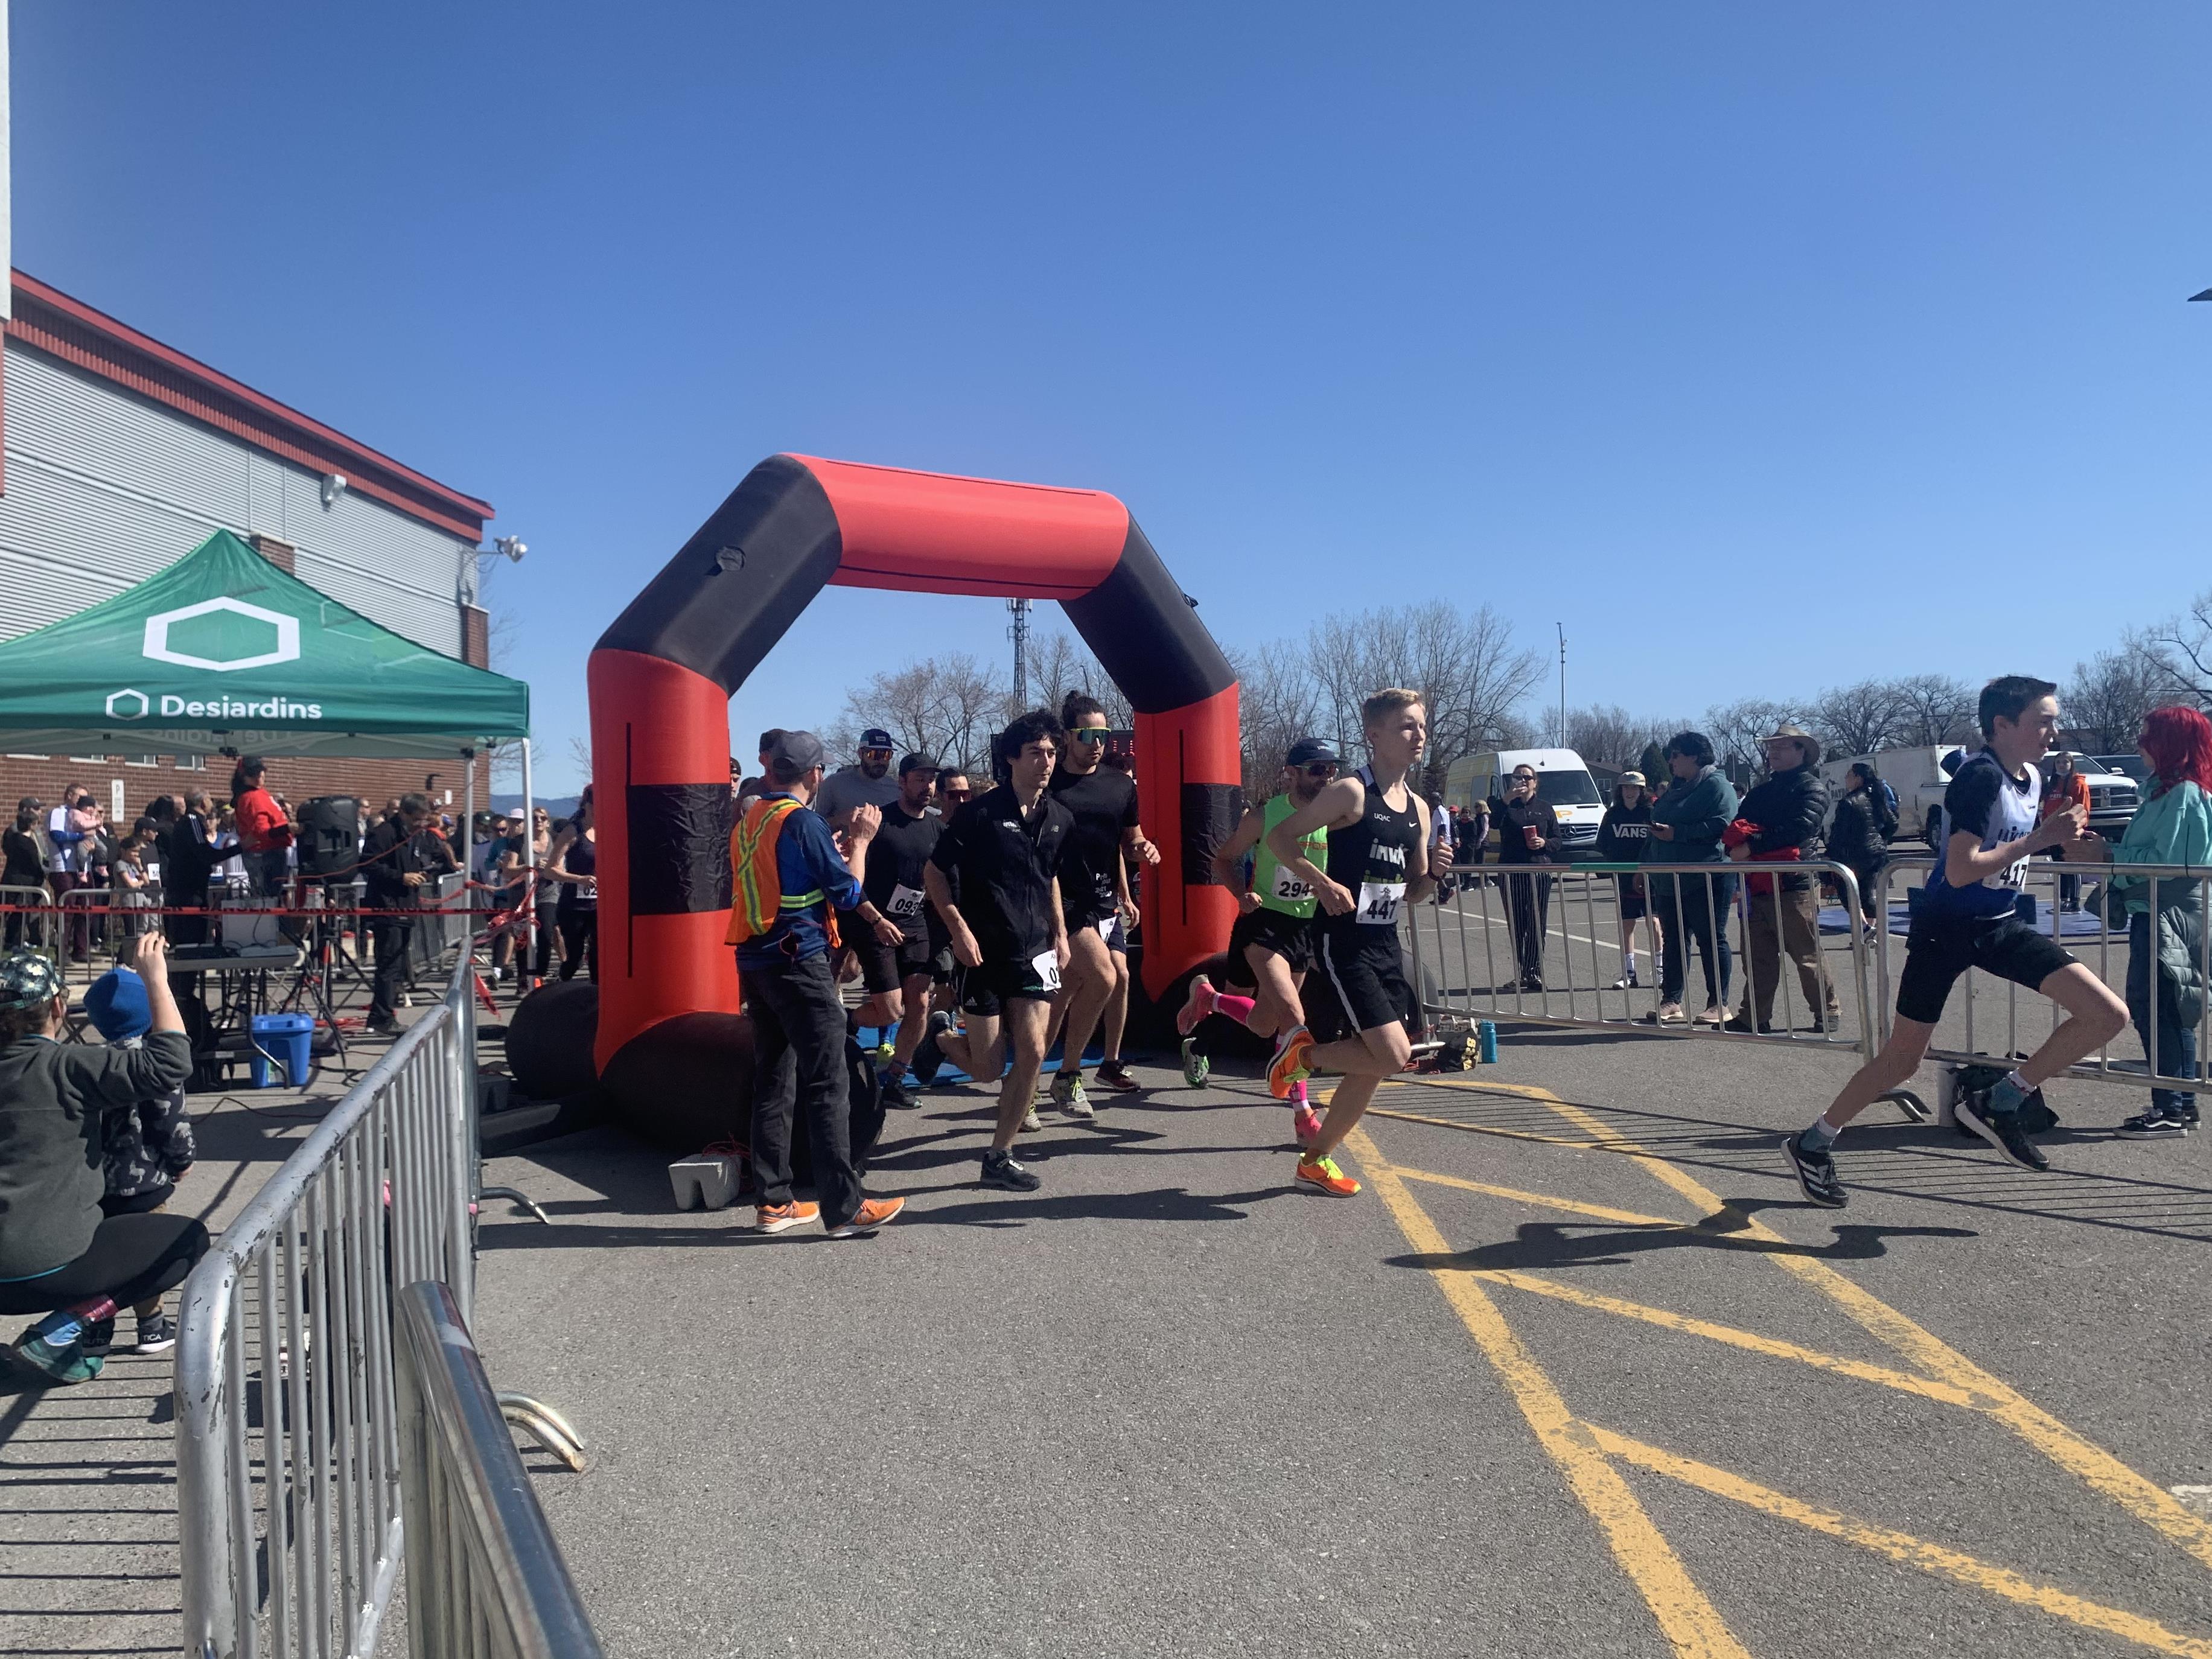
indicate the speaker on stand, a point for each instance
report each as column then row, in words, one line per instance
column 329, row 858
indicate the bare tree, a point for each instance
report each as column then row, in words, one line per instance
column 2181, row 647
column 1059, row 664
column 1935, row 709
column 1860, row 719
column 947, row 708
column 1607, row 735
column 1464, row 662
column 2110, row 693
column 1278, row 702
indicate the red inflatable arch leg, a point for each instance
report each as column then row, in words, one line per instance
column 662, row 676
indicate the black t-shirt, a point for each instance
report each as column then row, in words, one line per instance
column 1006, row 865
column 896, row 856
column 1104, row 804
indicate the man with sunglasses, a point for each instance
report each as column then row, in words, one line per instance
column 954, row 792
column 1527, row 833
column 1094, row 885
column 867, row 783
column 1270, row 948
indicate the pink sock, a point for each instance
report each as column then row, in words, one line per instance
column 1238, row 1008
column 1299, row 1092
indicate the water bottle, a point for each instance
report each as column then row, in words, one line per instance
column 1486, row 1035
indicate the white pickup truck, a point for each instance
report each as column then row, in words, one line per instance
column 1920, row 777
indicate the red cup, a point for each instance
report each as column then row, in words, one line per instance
column 1530, row 835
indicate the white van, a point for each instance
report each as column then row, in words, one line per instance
column 1563, row 782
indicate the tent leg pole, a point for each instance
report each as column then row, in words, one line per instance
column 526, row 952
column 468, row 853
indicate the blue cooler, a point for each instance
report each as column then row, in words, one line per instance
column 288, row 1039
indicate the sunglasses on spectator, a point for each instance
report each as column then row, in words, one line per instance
column 1319, row 769
column 959, row 794
column 1524, row 777
column 1089, row 734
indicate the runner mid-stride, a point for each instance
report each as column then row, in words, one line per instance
column 1270, row 948
column 1380, row 860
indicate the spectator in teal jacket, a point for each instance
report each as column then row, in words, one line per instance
column 2166, row 915
column 1687, row 825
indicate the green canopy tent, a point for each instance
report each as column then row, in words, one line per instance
column 224, row 653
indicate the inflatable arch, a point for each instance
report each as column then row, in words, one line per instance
column 662, row 676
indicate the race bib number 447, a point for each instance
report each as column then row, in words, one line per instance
column 1379, row 901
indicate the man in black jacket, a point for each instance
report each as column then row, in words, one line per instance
column 392, row 872
column 1784, row 821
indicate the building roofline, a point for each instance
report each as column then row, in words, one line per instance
column 55, row 322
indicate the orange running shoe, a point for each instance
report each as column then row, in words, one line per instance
column 1322, row 1172
column 782, row 1218
column 873, row 1213
column 1305, row 1124
column 1196, row 1006
column 1289, row 1062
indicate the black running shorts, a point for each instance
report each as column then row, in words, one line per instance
column 986, row 989
column 1291, row 938
column 886, row 967
column 1937, row 950
column 1366, row 979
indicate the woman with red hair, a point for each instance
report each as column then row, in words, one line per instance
column 2166, row 915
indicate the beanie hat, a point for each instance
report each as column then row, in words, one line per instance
column 117, row 1005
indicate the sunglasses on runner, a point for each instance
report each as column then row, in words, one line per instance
column 1320, row 769
column 959, row 794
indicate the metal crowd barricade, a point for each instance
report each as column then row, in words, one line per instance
column 2100, row 942
column 1467, row 966
column 33, row 919
column 484, row 1575
column 288, row 1427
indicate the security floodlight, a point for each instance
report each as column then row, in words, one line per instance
column 334, row 485
column 512, row 546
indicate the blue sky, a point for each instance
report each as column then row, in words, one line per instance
column 1768, row 347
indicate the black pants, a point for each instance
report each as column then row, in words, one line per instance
column 1704, row 902
column 1528, row 906
column 580, row 939
column 132, row 1259
column 390, row 936
column 797, row 1011
column 547, row 926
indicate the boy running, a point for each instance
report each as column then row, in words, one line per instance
column 1965, row 919
column 1009, row 933
column 1270, row 948
column 1381, row 857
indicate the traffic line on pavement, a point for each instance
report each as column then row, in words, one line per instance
column 1777, row 1347
column 1688, row 1619
column 1933, row 1559
column 2092, row 1464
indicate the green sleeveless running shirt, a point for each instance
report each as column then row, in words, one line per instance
column 1278, row 886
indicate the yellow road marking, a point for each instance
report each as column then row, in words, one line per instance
column 1903, row 1382
column 2092, row 1464
column 1688, row 1618
column 1902, row 1546
column 1474, row 1128
column 1575, row 1206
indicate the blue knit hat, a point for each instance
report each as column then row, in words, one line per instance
column 117, row 1005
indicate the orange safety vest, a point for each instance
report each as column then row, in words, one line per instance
column 756, row 895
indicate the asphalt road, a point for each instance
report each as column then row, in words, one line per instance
column 1578, row 1373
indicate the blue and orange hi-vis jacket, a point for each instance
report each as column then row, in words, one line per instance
column 786, row 878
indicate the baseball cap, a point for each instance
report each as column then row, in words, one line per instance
column 794, row 753
column 1310, row 749
column 115, row 1002
column 28, row 979
column 918, row 763
column 875, row 738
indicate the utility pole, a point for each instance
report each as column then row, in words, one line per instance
column 1019, row 634
column 1562, row 627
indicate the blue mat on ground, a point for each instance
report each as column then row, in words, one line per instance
column 949, row 1073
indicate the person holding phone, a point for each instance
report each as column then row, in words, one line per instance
column 1527, row 834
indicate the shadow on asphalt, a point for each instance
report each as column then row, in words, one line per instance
column 1539, row 1245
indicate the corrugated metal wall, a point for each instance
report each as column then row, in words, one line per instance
column 104, row 488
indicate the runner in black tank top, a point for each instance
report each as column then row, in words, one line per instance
column 1379, row 862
